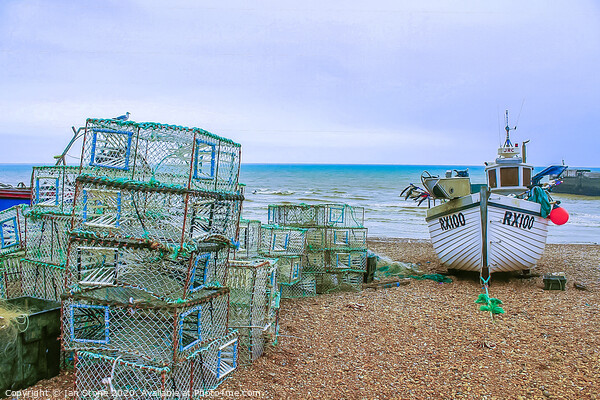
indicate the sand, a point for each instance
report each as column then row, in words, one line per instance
column 429, row 339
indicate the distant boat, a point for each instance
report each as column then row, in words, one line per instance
column 578, row 181
column 12, row 196
column 495, row 227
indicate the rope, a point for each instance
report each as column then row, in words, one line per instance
column 490, row 304
column 434, row 277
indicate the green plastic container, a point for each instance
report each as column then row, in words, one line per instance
column 555, row 282
column 35, row 354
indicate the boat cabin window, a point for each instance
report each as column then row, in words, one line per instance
column 509, row 176
column 492, row 178
column 526, row 176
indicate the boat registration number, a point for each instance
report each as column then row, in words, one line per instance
column 452, row 221
column 518, row 220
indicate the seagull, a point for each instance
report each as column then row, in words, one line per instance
column 123, row 117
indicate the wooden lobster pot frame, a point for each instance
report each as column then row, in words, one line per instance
column 189, row 157
column 140, row 264
column 131, row 321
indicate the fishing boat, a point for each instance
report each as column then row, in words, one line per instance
column 14, row 195
column 583, row 182
column 500, row 226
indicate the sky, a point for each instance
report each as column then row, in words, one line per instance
column 343, row 82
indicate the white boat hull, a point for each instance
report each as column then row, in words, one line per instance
column 515, row 233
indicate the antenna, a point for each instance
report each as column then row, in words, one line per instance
column 507, row 128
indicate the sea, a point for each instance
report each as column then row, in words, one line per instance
column 376, row 188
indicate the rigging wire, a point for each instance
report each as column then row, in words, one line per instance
column 519, row 116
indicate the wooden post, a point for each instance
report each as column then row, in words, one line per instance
column 483, row 204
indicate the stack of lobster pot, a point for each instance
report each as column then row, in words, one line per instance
column 156, row 208
column 38, row 270
column 336, row 245
column 287, row 245
column 253, row 305
column 255, row 294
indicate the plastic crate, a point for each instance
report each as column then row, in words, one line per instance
column 35, row 354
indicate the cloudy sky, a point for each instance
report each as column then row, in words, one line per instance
column 395, row 82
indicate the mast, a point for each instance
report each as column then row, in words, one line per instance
column 507, row 128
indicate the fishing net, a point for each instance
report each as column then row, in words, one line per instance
column 170, row 277
column 12, row 224
column 320, row 215
column 133, row 322
column 114, row 375
column 122, row 209
column 189, row 157
column 13, row 321
column 386, row 267
column 53, row 188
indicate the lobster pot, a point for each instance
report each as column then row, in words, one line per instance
column 346, row 238
column 339, row 282
column 249, row 239
column 172, row 217
column 250, row 288
column 107, row 262
column 316, row 239
column 53, row 188
column 272, row 331
column 277, row 241
column 12, row 224
column 317, row 261
column 252, row 343
column 133, row 322
column 353, row 260
column 38, row 279
column 319, row 215
column 128, row 376
column 306, row 287
column 11, row 284
column 289, row 269
column 47, row 236
column 149, row 152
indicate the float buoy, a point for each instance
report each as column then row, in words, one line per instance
column 559, row 216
